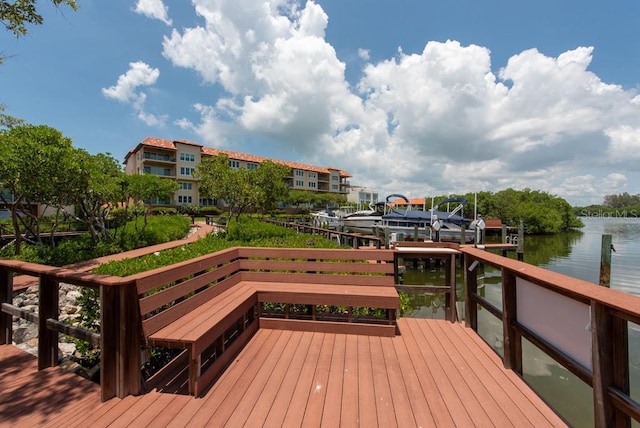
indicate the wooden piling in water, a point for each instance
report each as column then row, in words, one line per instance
column 605, row 261
column 520, row 249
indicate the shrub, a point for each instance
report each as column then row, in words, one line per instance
column 158, row 230
column 164, row 211
column 210, row 211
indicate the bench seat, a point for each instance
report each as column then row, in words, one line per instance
column 211, row 306
column 326, row 294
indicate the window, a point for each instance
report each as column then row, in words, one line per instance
column 299, row 183
column 185, row 185
column 334, row 178
column 299, row 173
column 312, row 175
column 334, row 187
column 186, row 170
column 187, row 157
column 184, row 199
column 252, row 165
column 312, row 184
column 234, row 164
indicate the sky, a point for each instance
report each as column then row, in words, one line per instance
column 421, row 98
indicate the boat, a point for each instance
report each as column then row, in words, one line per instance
column 364, row 221
column 327, row 218
column 434, row 224
column 333, row 218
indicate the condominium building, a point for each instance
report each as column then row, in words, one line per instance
column 362, row 196
column 177, row 160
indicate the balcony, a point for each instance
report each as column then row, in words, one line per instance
column 159, row 157
column 165, row 172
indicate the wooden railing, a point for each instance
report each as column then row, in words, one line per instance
column 582, row 326
column 548, row 309
column 121, row 340
column 446, row 253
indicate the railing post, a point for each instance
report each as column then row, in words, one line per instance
column 512, row 340
column 47, row 308
column 450, row 280
column 109, row 326
column 610, row 360
column 6, row 296
column 130, row 360
column 120, row 370
column 471, row 289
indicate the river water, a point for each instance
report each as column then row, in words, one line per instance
column 577, row 254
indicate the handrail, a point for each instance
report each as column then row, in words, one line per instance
column 120, row 338
column 599, row 357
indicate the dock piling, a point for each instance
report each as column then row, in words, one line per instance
column 605, row 260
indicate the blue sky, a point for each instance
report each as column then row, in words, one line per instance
column 415, row 97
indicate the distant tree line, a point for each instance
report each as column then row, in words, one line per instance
column 539, row 211
column 616, row 205
column 621, row 200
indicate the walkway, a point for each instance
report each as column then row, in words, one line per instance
column 434, row 373
column 201, row 230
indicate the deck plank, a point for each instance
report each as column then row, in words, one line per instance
column 297, row 407
column 282, row 379
column 437, row 397
column 498, row 404
column 466, row 383
column 367, row 415
column 318, row 391
column 385, row 410
column 434, row 373
column 333, row 401
column 527, row 400
column 272, row 370
column 405, row 414
column 349, row 408
column 219, row 412
column 231, row 375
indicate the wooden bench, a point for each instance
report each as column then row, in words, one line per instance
column 211, row 306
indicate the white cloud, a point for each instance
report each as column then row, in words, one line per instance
column 126, row 90
column 154, row 9
column 437, row 121
column 139, row 74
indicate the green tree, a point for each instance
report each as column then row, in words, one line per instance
column 271, row 185
column 241, row 189
column 299, row 197
column 37, row 166
column 143, row 188
column 191, row 210
column 7, row 121
column 17, row 14
column 99, row 190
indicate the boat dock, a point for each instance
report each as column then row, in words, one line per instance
column 434, row 373
column 301, row 367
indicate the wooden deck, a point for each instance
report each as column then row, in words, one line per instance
column 434, row 373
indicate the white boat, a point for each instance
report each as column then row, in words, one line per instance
column 332, row 217
column 363, row 221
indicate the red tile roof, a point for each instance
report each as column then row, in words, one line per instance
column 170, row 145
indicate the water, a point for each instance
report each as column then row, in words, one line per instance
column 576, row 254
